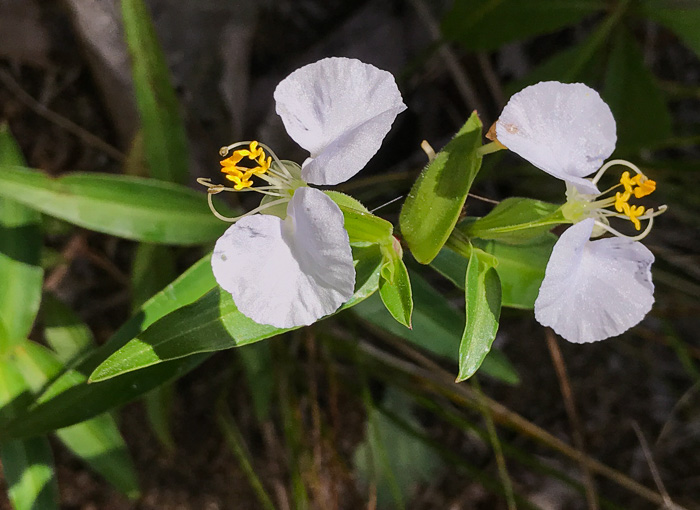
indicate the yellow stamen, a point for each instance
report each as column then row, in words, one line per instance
column 241, row 175
column 621, row 200
column 633, row 213
column 645, row 187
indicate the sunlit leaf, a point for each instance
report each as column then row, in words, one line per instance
column 214, row 323
column 396, row 295
column 433, row 206
column 129, row 207
column 437, row 327
column 164, row 137
column 21, row 275
column 483, row 310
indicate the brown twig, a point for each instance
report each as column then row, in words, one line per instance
column 668, row 503
column 64, row 123
column 574, row 420
column 443, row 382
column 460, row 78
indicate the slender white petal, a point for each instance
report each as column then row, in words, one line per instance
column 593, row 290
column 289, row 272
column 340, row 110
column 565, row 129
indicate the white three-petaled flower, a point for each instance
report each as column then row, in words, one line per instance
column 592, row 290
column 291, row 271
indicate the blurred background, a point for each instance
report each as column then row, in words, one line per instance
column 303, row 413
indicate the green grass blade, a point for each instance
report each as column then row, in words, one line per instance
column 129, row 207
column 21, row 275
column 165, row 140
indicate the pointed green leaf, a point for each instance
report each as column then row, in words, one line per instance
column 152, row 269
column 483, row 309
column 129, row 207
column 96, row 441
column 515, row 220
column 396, row 295
column 437, row 327
column 29, row 473
column 27, row 464
column 520, row 268
column 159, row 406
column 64, row 331
column 257, row 367
column 214, row 323
column 433, row 206
column 164, row 134
column 487, row 24
column 635, row 99
column 680, row 16
column 69, row 399
column 21, row 275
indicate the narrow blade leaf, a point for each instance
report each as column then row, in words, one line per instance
column 164, row 134
column 21, row 275
column 129, row 207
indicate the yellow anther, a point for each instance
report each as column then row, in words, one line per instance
column 621, row 200
column 241, row 175
column 627, row 182
column 633, row 213
column 645, row 187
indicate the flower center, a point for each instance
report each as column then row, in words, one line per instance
column 281, row 177
column 605, row 205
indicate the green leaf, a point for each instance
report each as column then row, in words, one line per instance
column 159, row 406
column 69, row 400
column 584, row 62
column 21, row 275
column 152, row 269
column 213, row 323
column 362, row 225
column 257, row 367
column 29, row 474
column 27, row 465
column 433, row 206
column 634, row 97
column 96, row 441
column 396, row 295
column 64, row 331
column 437, row 327
column 680, row 16
column 520, row 268
column 516, row 220
column 130, row 207
column 164, row 134
column 488, row 24
column 391, row 457
column 483, row 309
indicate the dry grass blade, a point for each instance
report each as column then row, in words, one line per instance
column 576, row 428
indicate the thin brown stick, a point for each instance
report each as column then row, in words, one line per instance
column 668, row 503
column 492, row 79
column 460, row 78
column 443, row 382
column 62, row 122
column 574, row 420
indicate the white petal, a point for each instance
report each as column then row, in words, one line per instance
column 565, row 129
column 340, row 110
column 593, row 290
column 290, row 272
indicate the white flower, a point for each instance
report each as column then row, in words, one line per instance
column 565, row 129
column 292, row 268
column 592, row 290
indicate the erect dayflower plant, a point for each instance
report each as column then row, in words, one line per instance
column 293, row 264
column 592, row 289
